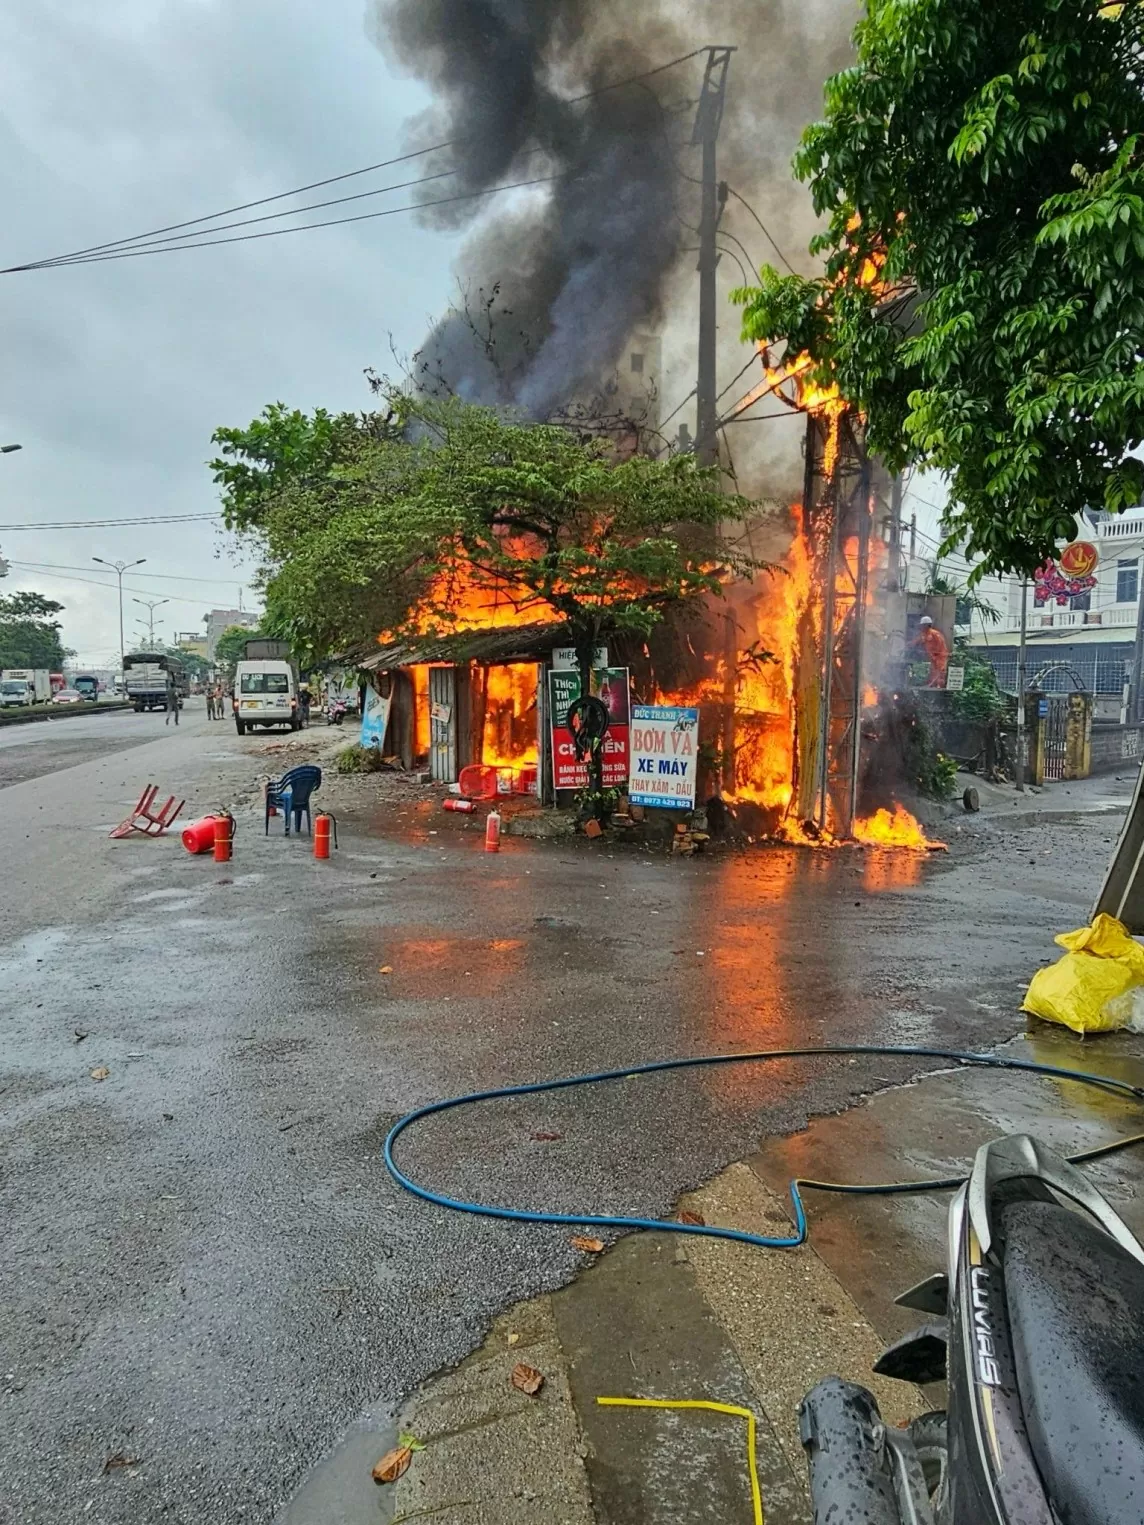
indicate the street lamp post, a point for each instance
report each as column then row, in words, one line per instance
column 119, row 567
column 150, row 605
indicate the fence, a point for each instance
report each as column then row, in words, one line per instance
column 1097, row 676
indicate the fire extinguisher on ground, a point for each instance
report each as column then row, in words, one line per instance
column 324, row 823
column 224, row 836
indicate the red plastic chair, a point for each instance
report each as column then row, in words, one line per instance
column 148, row 822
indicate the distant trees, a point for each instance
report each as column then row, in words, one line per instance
column 29, row 632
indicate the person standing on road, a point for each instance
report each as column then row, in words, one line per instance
column 210, row 704
column 172, row 701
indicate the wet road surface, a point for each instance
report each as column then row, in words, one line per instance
column 204, row 1264
column 47, row 746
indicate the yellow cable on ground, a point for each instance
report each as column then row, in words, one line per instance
column 714, row 1408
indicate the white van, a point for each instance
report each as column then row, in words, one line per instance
column 265, row 693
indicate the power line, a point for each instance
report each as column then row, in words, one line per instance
column 100, row 524
column 214, row 582
column 766, row 230
column 178, row 598
column 242, row 238
column 93, row 252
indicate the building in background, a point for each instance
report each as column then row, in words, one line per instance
column 193, row 642
column 219, row 620
column 1081, row 609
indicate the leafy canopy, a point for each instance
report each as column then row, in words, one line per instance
column 981, row 173
column 29, row 633
column 430, row 515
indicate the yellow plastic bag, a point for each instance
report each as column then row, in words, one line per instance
column 1077, row 990
column 1106, row 938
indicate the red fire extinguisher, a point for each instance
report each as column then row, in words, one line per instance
column 465, row 807
column 492, row 832
column 323, row 822
column 224, row 829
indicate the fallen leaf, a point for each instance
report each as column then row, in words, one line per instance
column 514, row 1338
column 411, row 1442
column 392, row 1464
column 100, row 1073
column 386, row 969
column 697, row 1220
column 591, row 1246
column 113, row 1463
column 545, row 1138
column 526, row 1379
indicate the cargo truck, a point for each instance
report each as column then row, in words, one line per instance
column 25, row 685
column 145, row 675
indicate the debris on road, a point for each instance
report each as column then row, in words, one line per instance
column 144, row 820
column 526, row 1379
column 589, row 1246
column 100, row 1073
column 1092, row 988
column 120, row 1460
column 393, row 1464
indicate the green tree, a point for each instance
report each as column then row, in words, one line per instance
column 29, row 633
column 230, row 646
column 981, row 173
column 445, row 502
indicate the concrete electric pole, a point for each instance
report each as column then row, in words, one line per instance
column 150, row 605
column 705, row 135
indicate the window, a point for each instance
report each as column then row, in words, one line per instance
column 1127, row 581
column 265, row 683
column 963, row 612
column 1081, row 601
column 637, row 363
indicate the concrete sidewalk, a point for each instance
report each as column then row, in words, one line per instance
column 1103, row 794
column 673, row 1319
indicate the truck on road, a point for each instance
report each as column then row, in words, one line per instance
column 25, row 685
column 145, row 674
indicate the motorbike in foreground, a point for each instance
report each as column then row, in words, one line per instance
column 1037, row 1326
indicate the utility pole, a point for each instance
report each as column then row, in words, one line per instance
column 705, row 135
column 894, row 577
column 119, row 567
column 1138, row 653
column 150, row 605
column 1021, row 681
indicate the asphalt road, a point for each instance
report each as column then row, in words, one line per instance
column 47, row 746
column 204, row 1269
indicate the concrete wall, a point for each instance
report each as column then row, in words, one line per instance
column 1115, row 745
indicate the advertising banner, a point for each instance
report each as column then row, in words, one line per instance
column 664, row 755
column 374, row 719
column 611, row 685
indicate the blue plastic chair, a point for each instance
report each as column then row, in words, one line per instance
column 291, row 794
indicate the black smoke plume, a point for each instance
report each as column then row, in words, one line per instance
column 557, row 277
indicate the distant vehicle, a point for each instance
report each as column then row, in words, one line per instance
column 265, row 693
column 87, row 687
column 15, row 691
column 145, row 675
column 37, row 681
column 58, row 681
column 68, row 696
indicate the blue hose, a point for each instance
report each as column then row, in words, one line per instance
column 763, row 1241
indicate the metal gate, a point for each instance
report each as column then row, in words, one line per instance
column 1054, row 734
column 443, row 724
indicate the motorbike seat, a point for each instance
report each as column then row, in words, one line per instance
column 1075, row 1300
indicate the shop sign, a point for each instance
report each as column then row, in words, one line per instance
column 564, row 658
column 609, row 684
column 955, row 678
column 664, row 756
column 374, row 719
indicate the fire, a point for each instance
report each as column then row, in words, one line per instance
column 893, row 829
column 461, row 597
column 508, row 694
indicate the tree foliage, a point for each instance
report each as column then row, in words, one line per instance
column 398, row 521
column 981, row 173
column 29, row 632
column 231, row 646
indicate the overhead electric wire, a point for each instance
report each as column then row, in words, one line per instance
column 722, row 232
column 177, row 598
column 732, row 255
column 305, row 227
column 100, row 524
column 123, row 247
column 56, row 566
column 768, row 234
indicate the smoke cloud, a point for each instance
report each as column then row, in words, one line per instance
column 607, row 247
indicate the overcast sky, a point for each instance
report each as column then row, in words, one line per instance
column 123, row 116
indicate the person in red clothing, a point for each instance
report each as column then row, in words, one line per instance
column 931, row 647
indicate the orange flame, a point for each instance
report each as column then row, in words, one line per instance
column 508, row 738
column 893, row 829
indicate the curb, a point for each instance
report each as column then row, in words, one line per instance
column 65, row 713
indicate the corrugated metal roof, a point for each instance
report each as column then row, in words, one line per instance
column 514, row 643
